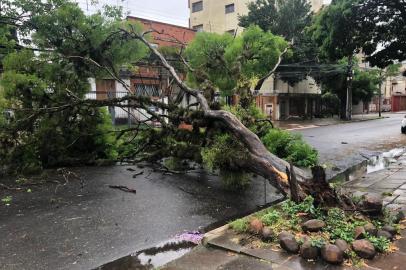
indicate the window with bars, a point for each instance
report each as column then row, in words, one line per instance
column 149, row 90
column 197, row 6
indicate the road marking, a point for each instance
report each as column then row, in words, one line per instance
column 303, row 127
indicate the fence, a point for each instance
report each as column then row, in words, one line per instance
column 124, row 115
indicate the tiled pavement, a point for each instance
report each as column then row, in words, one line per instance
column 224, row 251
column 390, row 183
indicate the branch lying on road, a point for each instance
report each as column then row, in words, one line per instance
column 123, row 188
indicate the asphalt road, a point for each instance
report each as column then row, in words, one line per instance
column 75, row 227
column 82, row 227
column 340, row 146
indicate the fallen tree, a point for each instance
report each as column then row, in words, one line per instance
column 62, row 46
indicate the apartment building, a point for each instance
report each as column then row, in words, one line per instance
column 276, row 98
column 151, row 80
column 220, row 16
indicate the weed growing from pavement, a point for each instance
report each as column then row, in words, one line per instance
column 7, row 200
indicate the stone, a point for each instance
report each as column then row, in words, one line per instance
column 313, row 225
column 288, row 242
column 364, row 249
column 359, row 232
column 370, row 229
column 386, row 234
column 267, row 234
column 332, row 254
column 309, row 252
column 256, row 226
column 389, row 229
column 399, row 216
column 372, row 203
column 342, row 245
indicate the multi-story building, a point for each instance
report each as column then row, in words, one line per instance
column 276, row 98
column 220, row 16
column 148, row 79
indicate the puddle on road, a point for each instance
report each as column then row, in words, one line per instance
column 157, row 256
column 382, row 161
column 373, row 164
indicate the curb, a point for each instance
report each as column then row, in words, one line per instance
column 214, row 234
column 337, row 123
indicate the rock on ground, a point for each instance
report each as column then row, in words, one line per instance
column 332, row 254
column 364, row 249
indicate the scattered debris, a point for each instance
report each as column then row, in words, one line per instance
column 123, row 188
column 137, row 174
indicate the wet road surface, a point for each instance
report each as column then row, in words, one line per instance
column 84, row 226
column 343, row 145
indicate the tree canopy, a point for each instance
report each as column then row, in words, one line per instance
column 334, row 31
column 383, row 21
column 234, row 65
column 48, row 68
column 289, row 19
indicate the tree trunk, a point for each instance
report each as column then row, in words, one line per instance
column 261, row 161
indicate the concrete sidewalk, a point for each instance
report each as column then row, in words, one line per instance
column 298, row 124
column 223, row 248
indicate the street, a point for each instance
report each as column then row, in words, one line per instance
column 71, row 227
column 81, row 228
column 340, row 146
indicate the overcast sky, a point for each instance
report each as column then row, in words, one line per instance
column 170, row 11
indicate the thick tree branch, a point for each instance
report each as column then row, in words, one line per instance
column 263, row 79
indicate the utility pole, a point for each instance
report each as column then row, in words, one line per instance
column 349, row 89
column 380, row 94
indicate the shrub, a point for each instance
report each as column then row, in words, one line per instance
column 271, row 217
column 381, row 244
column 234, row 180
column 239, row 225
column 290, row 147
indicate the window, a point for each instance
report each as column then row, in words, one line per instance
column 149, row 90
column 198, row 28
column 198, row 6
column 229, row 8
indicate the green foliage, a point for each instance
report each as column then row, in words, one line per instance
column 381, row 244
column 52, row 78
column 365, row 85
column 223, row 152
column 7, row 200
column 317, row 242
column 290, row 147
column 239, row 225
column 271, row 217
column 174, row 164
column 289, row 19
column 382, row 23
column 249, row 116
column 334, row 32
column 341, row 226
column 233, row 64
column 307, row 206
column 332, row 103
column 234, row 179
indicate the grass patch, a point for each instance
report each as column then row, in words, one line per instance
column 239, row 225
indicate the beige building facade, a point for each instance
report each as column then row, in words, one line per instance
column 276, row 98
column 220, row 16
